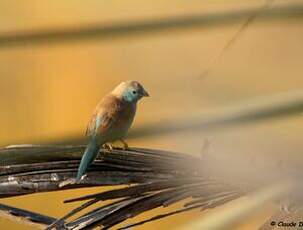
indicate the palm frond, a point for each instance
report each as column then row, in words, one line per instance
column 25, row 216
column 227, row 218
column 157, row 178
column 153, row 179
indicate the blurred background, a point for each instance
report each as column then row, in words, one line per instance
column 49, row 90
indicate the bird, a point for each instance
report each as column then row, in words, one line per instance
column 111, row 121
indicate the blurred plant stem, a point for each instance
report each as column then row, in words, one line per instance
column 134, row 28
column 248, row 112
column 236, row 36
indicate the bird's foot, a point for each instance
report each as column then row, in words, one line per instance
column 108, row 146
column 125, row 145
column 83, row 177
column 72, row 181
column 69, row 181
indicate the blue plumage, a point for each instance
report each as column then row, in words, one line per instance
column 88, row 157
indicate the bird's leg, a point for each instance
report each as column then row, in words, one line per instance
column 125, row 145
column 108, row 146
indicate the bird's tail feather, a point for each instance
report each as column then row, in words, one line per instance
column 88, row 157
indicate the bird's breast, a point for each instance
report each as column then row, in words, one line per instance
column 126, row 116
column 122, row 120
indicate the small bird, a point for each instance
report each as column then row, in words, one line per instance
column 111, row 120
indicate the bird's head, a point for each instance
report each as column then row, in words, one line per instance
column 130, row 91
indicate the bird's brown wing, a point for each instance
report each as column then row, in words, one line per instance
column 104, row 116
column 91, row 127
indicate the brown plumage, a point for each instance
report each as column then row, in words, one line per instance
column 117, row 116
column 111, row 120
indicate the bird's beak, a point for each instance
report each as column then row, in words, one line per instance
column 145, row 94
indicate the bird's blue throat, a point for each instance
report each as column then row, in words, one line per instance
column 129, row 96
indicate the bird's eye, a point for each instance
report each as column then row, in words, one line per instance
column 134, row 92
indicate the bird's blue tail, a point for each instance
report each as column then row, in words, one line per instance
column 88, row 157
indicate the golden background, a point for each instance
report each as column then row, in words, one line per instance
column 48, row 92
